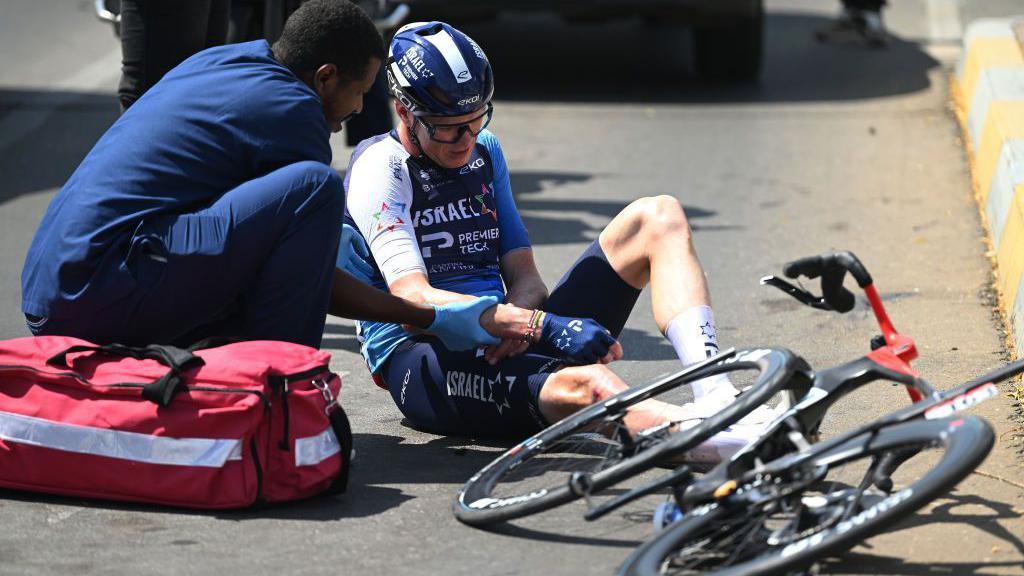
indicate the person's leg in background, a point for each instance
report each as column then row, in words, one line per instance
column 157, row 35
column 859, row 20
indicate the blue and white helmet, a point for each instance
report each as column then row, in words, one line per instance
column 435, row 70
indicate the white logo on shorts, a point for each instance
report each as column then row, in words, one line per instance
column 405, row 384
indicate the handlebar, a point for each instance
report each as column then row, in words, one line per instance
column 829, row 264
column 832, row 269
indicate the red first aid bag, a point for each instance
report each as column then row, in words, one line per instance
column 219, row 427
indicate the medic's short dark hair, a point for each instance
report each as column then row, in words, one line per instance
column 329, row 32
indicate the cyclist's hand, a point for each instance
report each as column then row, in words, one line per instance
column 578, row 340
column 507, row 347
column 458, row 324
column 353, row 254
column 614, row 353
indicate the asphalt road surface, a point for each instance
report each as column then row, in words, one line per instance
column 837, row 148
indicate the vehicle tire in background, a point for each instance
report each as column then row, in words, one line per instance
column 730, row 53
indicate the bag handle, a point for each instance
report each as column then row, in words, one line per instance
column 343, row 431
column 160, row 391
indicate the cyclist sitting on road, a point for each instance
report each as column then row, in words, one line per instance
column 203, row 210
column 433, row 201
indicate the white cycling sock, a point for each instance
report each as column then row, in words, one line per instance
column 692, row 334
column 722, row 445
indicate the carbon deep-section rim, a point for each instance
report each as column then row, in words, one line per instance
column 478, row 505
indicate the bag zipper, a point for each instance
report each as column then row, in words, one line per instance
column 259, row 468
column 285, row 442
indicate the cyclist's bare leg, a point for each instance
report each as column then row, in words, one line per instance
column 650, row 242
column 572, row 389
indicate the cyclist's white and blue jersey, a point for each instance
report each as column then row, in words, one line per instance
column 451, row 225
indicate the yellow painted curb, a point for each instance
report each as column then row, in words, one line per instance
column 987, row 53
column 1010, row 253
column 1004, row 121
column 988, row 102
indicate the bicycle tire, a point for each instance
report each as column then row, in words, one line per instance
column 734, row 527
column 477, row 504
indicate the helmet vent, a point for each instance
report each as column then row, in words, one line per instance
column 430, row 31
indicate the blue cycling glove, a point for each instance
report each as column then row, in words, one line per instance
column 458, row 324
column 353, row 254
column 578, row 340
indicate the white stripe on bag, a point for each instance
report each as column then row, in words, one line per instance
column 207, row 452
column 444, row 42
column 312, row 450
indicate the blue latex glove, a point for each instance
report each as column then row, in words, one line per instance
column 578, row 340
column 458, row 324
column 353, row 254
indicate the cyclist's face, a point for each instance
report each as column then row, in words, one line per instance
column 449, row 154
column 343, row 98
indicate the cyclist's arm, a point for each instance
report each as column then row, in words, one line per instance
column 523, row 283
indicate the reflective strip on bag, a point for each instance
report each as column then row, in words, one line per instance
column 312, row 450
column 207, row 452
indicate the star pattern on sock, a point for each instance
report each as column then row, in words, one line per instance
column 707, row 330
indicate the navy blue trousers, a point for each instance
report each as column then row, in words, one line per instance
column 256, row 264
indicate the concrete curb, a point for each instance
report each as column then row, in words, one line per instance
column 988, row 91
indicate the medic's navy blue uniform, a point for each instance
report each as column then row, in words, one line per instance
column 454, row 226
column 209, row 208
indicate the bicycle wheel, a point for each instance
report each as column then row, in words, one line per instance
column 785, row 521
column 535, row 475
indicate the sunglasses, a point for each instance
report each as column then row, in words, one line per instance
column 451, row 133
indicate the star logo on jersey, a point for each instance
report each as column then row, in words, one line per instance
column 385, row 219
column 483, row 205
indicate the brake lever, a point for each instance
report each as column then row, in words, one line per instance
column 801, row 295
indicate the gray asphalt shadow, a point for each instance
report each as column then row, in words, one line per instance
column 634, row 61
column 640, row 345
column 61, row 128
column 340, row 337
column 857, row 562
column 559, row 225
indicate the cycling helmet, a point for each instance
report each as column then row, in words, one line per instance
column 435, row 70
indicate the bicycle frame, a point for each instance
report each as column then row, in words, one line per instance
column 890, row 361
column 786, row 442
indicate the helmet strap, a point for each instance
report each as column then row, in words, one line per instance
column 416, row 142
